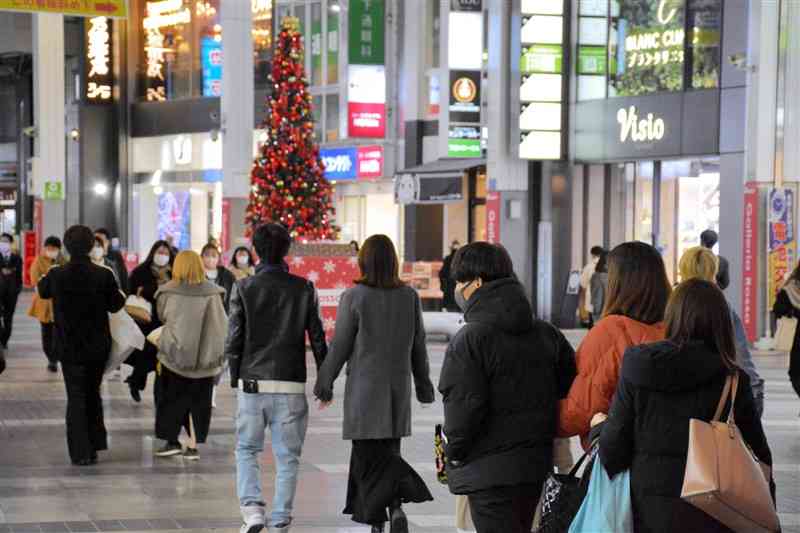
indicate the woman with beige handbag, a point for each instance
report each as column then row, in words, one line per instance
column 787, row 311
column 662, row 387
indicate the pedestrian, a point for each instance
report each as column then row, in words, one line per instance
column 585, row 293
column 145, row 281
column 242, row 264
column 701, row 263
column 709, row 239
column 381, row 337
column 638, row 290
column 83, row 295
column 787, row 305
column 446, row 280
column 218, row 274
column 99, row 258
column 663, row 386
column 10, row 285
column 191, row 348
column 354, row 247
column 598, row 288
column 42, row 309
column 113, row 258
column 501, row 381
column 270, row 315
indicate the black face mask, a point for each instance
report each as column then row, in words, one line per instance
column 461, row 302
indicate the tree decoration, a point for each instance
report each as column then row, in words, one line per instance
column 288, row 185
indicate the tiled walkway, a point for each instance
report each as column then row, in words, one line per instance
column 131, row 490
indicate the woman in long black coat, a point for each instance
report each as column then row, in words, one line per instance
column 661, row 387
column 145, row 281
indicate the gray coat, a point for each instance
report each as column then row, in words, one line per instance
column 381, row 337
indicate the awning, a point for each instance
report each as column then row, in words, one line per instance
column 444, row 167
column 436, row 182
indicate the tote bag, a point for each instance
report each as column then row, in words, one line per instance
column 784, row 336
column 125, row 338
column 722, row 477
column 607, row 506
column 139, row 308
column 562, row 496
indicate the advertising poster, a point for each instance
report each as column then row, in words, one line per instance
column 211, row 59
column 225, row 238
column 174, row 218
column 782, row 246
column 493, row 206
column 750, row 262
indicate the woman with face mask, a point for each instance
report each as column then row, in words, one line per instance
column 145, row 281
column 242, row 264
column 98, row 257
column 41, row 309
column 216, row 273
column 11, row 274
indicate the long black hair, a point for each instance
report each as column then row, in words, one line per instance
column 148, row 263
column 242, row 249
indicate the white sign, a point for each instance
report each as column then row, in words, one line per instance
column 98, row 57
column 647, row 129
column 664, row 16
column 338, row 163
column 366, row 84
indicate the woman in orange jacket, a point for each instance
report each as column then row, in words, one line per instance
column 41, row 309
column 638, row 290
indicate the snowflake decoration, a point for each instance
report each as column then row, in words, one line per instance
column 329, row 324
column 313, row 276
column 297, row 261
column 329, row 267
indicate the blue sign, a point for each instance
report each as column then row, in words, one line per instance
column 211, row 60
column 340, row 163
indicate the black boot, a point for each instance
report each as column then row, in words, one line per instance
column 377, row 529
column 397, row 518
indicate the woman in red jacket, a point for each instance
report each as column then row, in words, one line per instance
column 638, row 290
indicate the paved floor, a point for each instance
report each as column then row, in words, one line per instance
column 130, row 490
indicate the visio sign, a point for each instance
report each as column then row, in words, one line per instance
column 650, row 129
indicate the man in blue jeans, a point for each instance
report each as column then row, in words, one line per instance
column 270, row 314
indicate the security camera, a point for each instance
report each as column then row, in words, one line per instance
column 214, row 135
column 30, row 131
column 214, row 116
column 739, row 61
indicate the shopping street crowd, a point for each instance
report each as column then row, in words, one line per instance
column 658, row 364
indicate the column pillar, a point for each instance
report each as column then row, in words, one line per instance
column 49, row 118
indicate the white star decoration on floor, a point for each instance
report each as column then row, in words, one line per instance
column 329, row 324
column 329, row 267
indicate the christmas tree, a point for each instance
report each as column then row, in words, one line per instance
column 288, row 185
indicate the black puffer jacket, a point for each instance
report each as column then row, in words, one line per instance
column 661, row 387
column 503, row 375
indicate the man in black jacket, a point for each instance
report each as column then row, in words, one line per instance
column 10, row 285
column 709, row 239
column 502, row 377
column 270, row 314
column 114, row 258
column 83, row 294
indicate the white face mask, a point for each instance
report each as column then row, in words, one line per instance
column 243, row 261
column 211, row 274
column 97, row 253
column 51, row 254
column 5, row 247
column 161, row 260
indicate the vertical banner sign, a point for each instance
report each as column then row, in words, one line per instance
column 782, row 247
column 750, row 262
column 366, row 84
column 493, row 210
column 38, row 222
column 211, row 61
column 225, row 238
column 366, row 36
column 99, row 72
column 29, row 251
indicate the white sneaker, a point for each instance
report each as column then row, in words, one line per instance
column 253, row 517
column 214, row 398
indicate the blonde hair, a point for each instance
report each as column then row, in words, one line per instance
column 188, row 268
column 698, row 263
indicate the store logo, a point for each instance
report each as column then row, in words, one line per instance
column 666, row 17
column 648, row 129
column 465, row 90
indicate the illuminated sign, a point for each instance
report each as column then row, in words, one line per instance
column 79, row 8
column 647, row 129
column 99, row 74
column 665, row 17
column 465, row 96
column 160, row 14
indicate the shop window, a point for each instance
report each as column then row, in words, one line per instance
column 316, row 112
column 262, row 41
column 643, row 208
column 699, row 208
column 333, row 43
column 332, row 118
column 705, row 28
column 315, row 44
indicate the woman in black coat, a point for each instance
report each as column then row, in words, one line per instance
column 787, row 305
column 216, row 273
column 145, row 281
column 501, row 381
column 661, row 387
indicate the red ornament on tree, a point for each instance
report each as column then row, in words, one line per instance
column 287, row 181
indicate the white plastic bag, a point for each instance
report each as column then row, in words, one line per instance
column 125, row 338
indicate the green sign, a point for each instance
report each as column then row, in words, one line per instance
column 365, row 40
column 463, row 148
column 53, row 190
column 316, row 51
column 592, row 60
column 542, row 58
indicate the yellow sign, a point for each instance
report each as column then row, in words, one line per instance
column 81, row 8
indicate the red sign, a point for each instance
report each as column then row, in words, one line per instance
column 370, row 162
column 493, row 207
column 366, row 120
column 30, row 248
column 38, row 223
column 225, row 238
column 750, row 262
column 331, row 276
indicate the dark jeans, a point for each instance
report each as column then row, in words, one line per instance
column 505, row 509
column 86, row 431
column 47, row 342
column 7, row 316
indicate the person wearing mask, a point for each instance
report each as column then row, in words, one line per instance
column 585, row 295
column 446, row 280
column 661, row 387
column 701, row 263
column 503, row 375
column 268, row 367
column 83, row 295
column 190, row 354
column 638, row 290
column 709, row 239
column 113, row 258
column 598, row 288
column 145, row 281
column 381, row 337
column 11, row 285
column 41, row 308
column 242, row 264
column 217, row 274
column 787, row 305
column 99, row 258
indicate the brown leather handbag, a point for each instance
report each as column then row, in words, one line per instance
column 722, row 476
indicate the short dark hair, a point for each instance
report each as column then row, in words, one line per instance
column 602, row 263
column 208, row 247
column 79, row 240
column 597, row 251
column 709, row 238
column 242, row 249
column 53, row 241
column 104, row 232
column 378, row 263
column 638, row 287
column 489, row 262
column 7, row 236
column 272, row 243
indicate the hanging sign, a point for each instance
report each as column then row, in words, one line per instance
column 750, row 262
column 465, row 96
column 366, row 36
column 161, row 14
column 99, row 73
column 782, row 246
column 75, row 8
column 493, row 210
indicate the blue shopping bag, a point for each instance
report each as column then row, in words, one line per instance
column 607, row 506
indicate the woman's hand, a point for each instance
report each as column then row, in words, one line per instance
column 324, row 405
column 598, row 419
